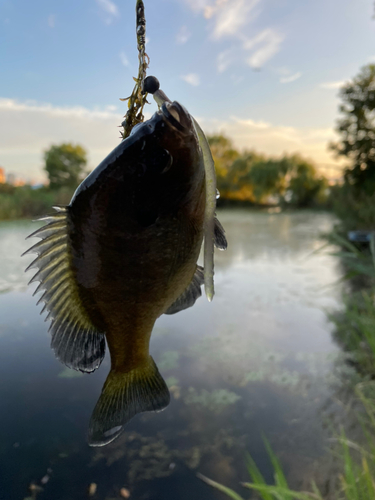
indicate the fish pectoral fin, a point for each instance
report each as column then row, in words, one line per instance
column 123, row 396
column 190, row 295
column 75, row 341
column 220, row 240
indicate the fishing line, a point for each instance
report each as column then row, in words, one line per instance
column 137, row 100
column 136, row 103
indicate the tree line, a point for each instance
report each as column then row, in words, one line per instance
column 249, row 176
column 260, row 179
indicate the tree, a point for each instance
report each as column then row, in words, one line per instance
column 268, row 177
column 305, row 188
column 256, row 178
column 357, row 130
column 65, row 165
column 224, row 155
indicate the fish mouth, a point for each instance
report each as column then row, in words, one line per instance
column 177, row 115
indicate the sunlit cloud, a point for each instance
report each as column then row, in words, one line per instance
column 332, row 85
column 183, row 35
column 97, row 130
column 192, row 79
column 251, row 123
column 275, row 140
column 43, row 124
column 110, row 10
column 48, row 109
column 51, row 20
column 291, row 78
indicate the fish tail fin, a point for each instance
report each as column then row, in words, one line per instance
column 123, row 396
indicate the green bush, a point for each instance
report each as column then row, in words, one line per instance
column 355, row 212
column 26, row 202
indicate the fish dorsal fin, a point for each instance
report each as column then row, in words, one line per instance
column 75, row 341
column 219, row 236
column 190, row 295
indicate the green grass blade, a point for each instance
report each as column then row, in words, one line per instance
column 340, row 240
column 316, row 491
column 230, row 493
column 280, row 478
column 256, row 476
column 349, row 479
column 369, row 481
column 281, row 493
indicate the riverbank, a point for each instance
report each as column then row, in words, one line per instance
column 26, row 202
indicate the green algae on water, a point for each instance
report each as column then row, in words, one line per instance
column 169, row 360
column 214, row 401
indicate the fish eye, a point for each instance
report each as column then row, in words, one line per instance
column 177, row 115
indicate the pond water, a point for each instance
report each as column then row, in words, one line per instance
column 259, row 360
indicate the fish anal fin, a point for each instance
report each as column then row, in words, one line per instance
column 75, row 340
column 190, row 294
column 123, row 396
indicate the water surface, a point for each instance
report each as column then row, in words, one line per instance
column 258, row 360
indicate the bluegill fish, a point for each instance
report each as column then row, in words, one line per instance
column 122, row 253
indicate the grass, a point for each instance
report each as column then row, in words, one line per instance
column 355, row 325
column 355, row 482
column 279, row 491
column 355, row 330
column 25, row 202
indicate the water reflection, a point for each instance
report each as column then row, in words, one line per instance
column 257, row 360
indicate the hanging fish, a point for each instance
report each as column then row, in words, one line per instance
column 123, row 252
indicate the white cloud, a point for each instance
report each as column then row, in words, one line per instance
column 110, row 9
column 291, row 78
column 124, row 59
column 191, row 78
column 183, row 35
column 231, row 19
column 226, row 16
column 253, row 124
column 198, row 5
column 48, row 109
column 224, row 60
column 43, row 124
column 51, row 20
column 21, row 150
column 264, row 46
column 231, row 16
column 332, row 85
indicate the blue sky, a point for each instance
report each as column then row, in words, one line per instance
column 265, row 72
